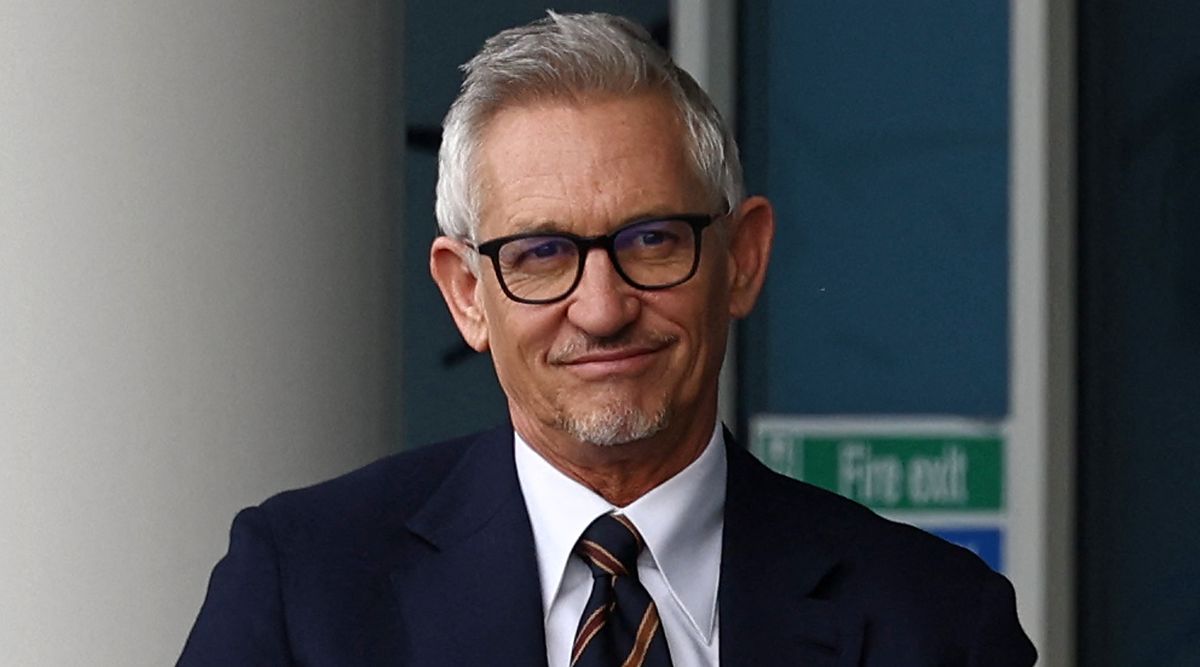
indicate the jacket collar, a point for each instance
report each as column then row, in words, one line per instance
column 468, row 590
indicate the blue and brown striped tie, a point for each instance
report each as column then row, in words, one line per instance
column 620, row 625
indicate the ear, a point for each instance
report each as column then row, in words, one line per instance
column 750, row 238
column 451, row 270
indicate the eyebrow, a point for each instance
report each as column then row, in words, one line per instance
column 542, row 227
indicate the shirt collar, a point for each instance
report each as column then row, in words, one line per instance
column 681, row 521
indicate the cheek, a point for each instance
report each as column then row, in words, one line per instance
column 520, row 336
column 711, row 327
column 701, row 322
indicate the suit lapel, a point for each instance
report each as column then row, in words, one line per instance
column 468, row 590
column 775, row 555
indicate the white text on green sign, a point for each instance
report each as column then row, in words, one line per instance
column 895, row 473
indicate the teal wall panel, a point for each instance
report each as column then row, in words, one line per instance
column 880, row 132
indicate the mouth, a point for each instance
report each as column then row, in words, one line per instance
column 617, row 360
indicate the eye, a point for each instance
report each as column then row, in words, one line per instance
column 656, row 236
column 652, row 237
column 546, row 249
column 537, row 253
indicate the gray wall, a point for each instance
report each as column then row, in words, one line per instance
column 194, row 270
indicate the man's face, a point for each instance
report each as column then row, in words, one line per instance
column 610, row 363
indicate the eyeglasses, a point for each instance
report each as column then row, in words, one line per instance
column 650, row 254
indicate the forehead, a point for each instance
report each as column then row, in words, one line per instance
column 586, row 165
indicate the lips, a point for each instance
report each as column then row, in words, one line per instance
column 610, row 355
column 597, row 361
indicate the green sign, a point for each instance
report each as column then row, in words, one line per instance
column 918, row 472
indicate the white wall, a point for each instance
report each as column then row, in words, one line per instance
column 194, row 281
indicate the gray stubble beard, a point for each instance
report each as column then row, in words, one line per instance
column 612, row 424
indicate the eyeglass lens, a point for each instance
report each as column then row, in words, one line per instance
column 650, row 254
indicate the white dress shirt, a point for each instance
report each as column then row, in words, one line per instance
column 681, row 521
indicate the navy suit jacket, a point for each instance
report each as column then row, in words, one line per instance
column 427, row 558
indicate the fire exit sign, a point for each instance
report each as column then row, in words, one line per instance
column 904, row 470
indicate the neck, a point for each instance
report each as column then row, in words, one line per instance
column 621, row 473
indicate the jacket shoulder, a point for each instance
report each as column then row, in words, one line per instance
column 885, row 544
column 857, row 530
column 908, row 584
column 378, row 497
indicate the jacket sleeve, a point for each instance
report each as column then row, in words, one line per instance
column 999, row 640
column 242, row 620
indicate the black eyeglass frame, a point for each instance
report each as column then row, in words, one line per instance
column 584, row 244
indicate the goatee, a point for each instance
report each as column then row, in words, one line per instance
column 611, row 425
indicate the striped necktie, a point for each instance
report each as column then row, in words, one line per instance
column 620, row 625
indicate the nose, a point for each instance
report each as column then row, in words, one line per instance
column 603, row 303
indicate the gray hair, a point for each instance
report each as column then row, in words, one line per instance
column 565, row 56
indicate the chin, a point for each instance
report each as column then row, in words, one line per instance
column 613, row 424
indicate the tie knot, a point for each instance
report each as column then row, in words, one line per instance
column 610, row 546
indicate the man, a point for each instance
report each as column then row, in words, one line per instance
column 598, row 244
